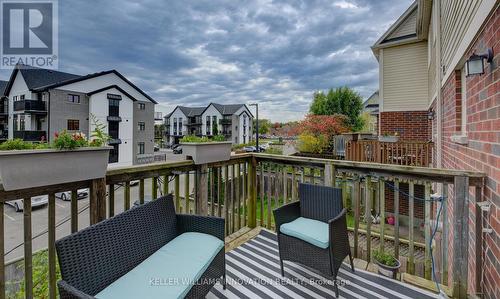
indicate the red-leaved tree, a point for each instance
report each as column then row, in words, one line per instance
column 324, row 125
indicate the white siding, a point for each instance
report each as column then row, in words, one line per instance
column 18, row 88
column 405, row 78
column 210, row 111
column 178, row 114
column 99, row 106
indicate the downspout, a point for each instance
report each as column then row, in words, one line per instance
column 439, row 101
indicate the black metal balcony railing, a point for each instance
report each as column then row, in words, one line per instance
column 30, row 135
column 226, row 121
column 30, row 106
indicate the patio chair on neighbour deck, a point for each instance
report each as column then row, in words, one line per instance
column 313, row 231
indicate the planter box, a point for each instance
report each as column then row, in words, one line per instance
column 206, row 152
column 388, row 138
column 388, row 271
column 35, row 168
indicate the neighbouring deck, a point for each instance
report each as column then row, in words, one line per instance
column 253, row 272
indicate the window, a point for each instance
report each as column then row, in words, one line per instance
column 22, row 124
column 113, row 154
column 141, row 126
column 73, row 125
column 74, row 98
column 14, row 98
column 22, row 97
column 180, row 126
column 175, row 126
column 113, row 129
column 140, row 148
column 114, row 107
column 142, row 106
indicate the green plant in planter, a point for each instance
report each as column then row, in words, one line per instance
column 385, row 258
column 196, row 139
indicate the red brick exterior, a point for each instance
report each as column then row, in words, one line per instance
column 410, row 125
column 482, row 153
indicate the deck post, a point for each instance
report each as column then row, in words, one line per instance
column 329, row 175
column 97, row 200
column 201, row 198
column 252, row 187
column 460, row 236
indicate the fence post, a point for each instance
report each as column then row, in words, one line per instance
column 460, row 236
column 201, row 198
column 97, row 200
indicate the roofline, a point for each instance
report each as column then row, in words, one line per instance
column 111, row 87
column 11, row 80
column 91, row 76
column 176, row 107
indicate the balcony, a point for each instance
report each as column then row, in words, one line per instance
column 247, row 188
column 226, row 121
column 30, row 106
column 30, row 135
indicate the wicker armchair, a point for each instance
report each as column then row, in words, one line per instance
column 323, row 204
column 93, row 258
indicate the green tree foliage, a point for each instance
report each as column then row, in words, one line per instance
column 264, row 126
column 309, row 143
column 342, row 100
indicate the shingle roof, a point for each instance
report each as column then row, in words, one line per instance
column 192, row 111
column 37, row 77
column 3, row 84
column 227, row 109
column 196, row 111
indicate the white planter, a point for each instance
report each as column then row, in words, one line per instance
column 20, row 169
column 388, row 138
column 206, row 152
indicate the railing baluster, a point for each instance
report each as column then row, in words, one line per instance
column 411, row 215
column 74, row 211
column 52, row 245
column 261, row 204
column 219, row 190
column 245, row 182
column 343, row 185
column 233, row 176
column 212, row 191
column 276, row 186
column 381, row 194
column 444, row 253
column 237, row 181
column 368, row 217
column 285, row 184
column 396, row 218
column 427, row 231
column 111, row 199
column 356, row 197
column 2, row 250
column 226, row 198
column 165, row 185
column 126, row 197
column 269, row 199
column 177, row 193
column 28, row 249
column 294, row 184
column 186, row 192
column 141, row 191
column 154, row 188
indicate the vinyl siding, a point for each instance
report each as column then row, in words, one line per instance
column 456, row 19
column 407, row 27
column 405, row 78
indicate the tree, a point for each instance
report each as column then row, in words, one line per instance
column 342, row 100
column 324, row 125
column 264, row 126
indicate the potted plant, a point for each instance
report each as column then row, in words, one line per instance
column 388, row 265
column 389, row 138
column 206, row 150
column 70, row 157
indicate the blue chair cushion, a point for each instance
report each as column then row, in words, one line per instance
column 309, row 230
column 170, row 272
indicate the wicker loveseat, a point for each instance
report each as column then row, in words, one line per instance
column 313, row 230
column 146, row 252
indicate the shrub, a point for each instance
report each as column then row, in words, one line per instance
column 195, row 139
column 308, row 143
column 384, row 258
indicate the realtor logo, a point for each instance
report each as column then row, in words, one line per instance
column 29, row 33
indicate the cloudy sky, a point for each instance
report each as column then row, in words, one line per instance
column 276, row 53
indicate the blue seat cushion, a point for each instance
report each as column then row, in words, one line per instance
column 309, row 230
column 170, row 272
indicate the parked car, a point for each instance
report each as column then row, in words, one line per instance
column 147, row 198
column 66, row 196
column 249, row 149
column 36, row 201
column 132, row 183
column 156, row 148
column 264, row 146
column 177, row 149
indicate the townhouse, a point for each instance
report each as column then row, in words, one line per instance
column 234, row 121
column 439, row 81
column 37, row 103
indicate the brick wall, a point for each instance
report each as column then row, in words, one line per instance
column 481, row 153
column 410, row 125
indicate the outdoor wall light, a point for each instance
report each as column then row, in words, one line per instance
column 430, row 115
column 475, row 64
